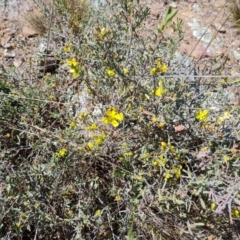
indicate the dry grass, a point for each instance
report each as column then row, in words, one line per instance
column 234, row 8
column 37, row 21
column 72, row 11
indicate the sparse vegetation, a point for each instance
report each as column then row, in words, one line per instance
column 114, row 144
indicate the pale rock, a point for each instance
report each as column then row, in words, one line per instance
column 236, row 54
column 219, row 27
column 8, row 54
column 28, row 32
column 5, row 41
column 17, row 62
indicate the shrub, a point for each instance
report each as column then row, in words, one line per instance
column 117, row 144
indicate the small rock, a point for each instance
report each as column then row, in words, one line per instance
column 173, row 4
column 4, row 41
column 9, row 54
column 17, row 62
column 28, row 32
column 219, row 27
column 236, row 54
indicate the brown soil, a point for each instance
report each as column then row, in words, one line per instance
column 219, row 48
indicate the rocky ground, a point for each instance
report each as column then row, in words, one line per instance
column 211, row 40
column 209, row 31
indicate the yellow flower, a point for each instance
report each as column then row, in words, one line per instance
column 225, row 116
column 37, row 205
column 160, row 198
column 125, row 70
column 145, row 97
column 138, row 177
column 74, row 67
column 129, row 106
column 61, row 153
column 236, row 213
column 226, row 158
column 154, row 119
column 167, row 175
column 162, row 161
column 99, row 139
column 153, row 71
column 18, row 225
column 171, row 148
column 178, row 174
column 92, row 127
column 81, row 149
column 72, row 62
column 128, row 154
column 73, row 125
column 23, row 215
column 160, row 68
column 98, row 213
column 163, row 68
column 75, row 72
column 113, row 117
column 160, row 91
column 145, row 155
column 213, row 206
column 161, row 124
column 110, row 73
column 155, row 163
column 81, row 116
column 67, row 48
column 159, row 63
column 90, row 91
column 90, row 146
column 202, row 115
column 25, row 204
column 163, row 146
column 117, row 198
column 103, row 31
column 177, row 171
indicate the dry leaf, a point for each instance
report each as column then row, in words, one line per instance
column 147, row 112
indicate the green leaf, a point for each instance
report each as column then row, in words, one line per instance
column 198, row 224
column 170, row 14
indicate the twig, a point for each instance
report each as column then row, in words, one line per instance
column 201, row 39
column 48, row 36
column 214, row 36
column 36, row 232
